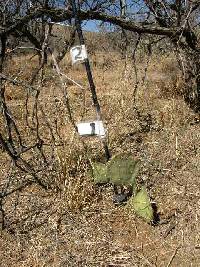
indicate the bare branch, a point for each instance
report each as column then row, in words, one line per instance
column 18, row 83
column 61, row 15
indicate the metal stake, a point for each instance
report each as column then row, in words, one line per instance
column 89, row 74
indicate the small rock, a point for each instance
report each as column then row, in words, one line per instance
column 119, row 199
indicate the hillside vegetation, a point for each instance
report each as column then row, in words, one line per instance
column 74, row 222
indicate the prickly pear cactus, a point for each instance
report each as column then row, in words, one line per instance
column 123, row 171
column 141, row 205
column 99, row 171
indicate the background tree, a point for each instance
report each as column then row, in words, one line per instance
column 177, row 20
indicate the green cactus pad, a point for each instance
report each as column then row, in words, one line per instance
column 141, row 205
column 123, row 171
column 99, row 171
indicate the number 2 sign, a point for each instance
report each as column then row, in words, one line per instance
column 78, row 53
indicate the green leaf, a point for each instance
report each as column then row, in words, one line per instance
column 99, row 171
column 141, row 205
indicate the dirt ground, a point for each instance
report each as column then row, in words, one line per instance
column 79, row 224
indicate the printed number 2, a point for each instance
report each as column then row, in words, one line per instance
column 78, row 53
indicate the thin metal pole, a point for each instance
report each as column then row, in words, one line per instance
column 89, row 74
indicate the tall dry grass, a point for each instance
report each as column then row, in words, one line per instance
column 78, row 225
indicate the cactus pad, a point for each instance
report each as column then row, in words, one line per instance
column 99, row 173
column 123, row 171
column 141, row 205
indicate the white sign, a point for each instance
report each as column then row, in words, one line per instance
column 91, row 128
column 78, row 53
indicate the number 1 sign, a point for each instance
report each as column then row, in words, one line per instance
column 78, row 53
column 91, row 128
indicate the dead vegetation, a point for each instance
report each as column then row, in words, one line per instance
column 75, row 223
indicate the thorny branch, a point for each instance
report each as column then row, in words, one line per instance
column 31, row 158
column 64, row 90
column 11, row 138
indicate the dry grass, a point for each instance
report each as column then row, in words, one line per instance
column 78, row 225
